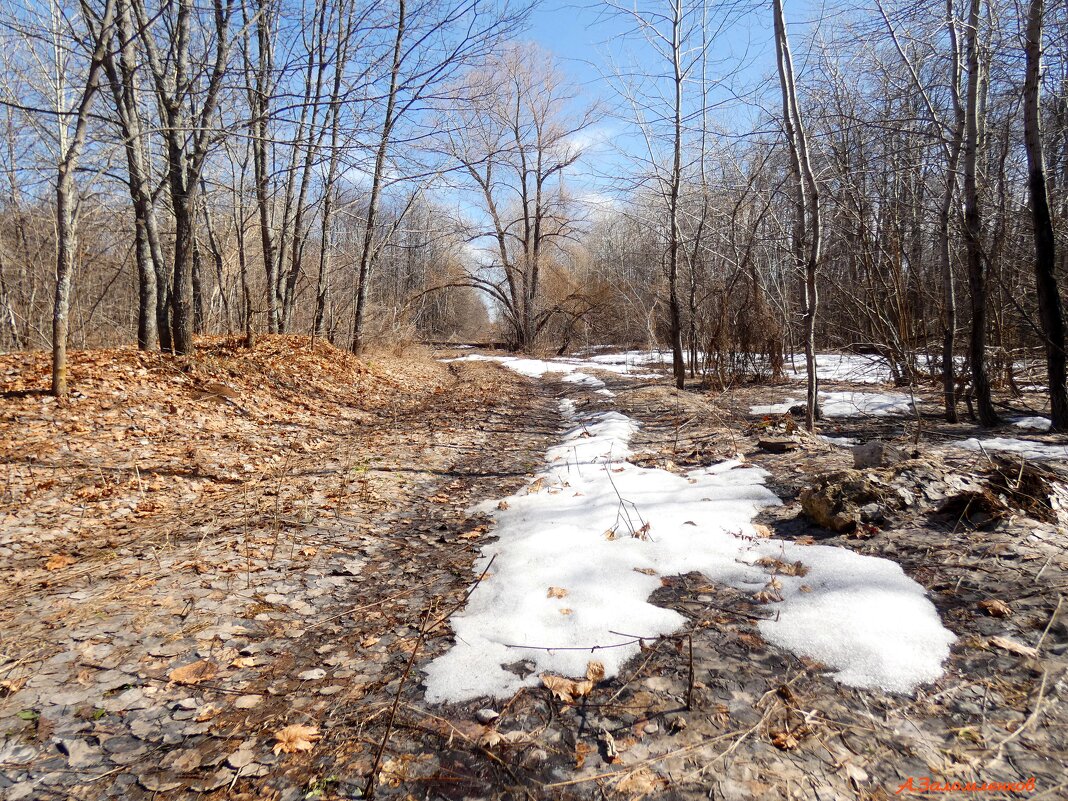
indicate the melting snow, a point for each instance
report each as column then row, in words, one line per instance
column 848, row 404
column 1031, row 423
column 579, row 528
column 1024, row 447
column 844, row 367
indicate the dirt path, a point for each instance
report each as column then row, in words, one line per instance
column 163, row 664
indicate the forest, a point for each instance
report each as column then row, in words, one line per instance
column 492, row 399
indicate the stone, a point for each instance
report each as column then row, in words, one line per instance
column 777, row 445
column 312, row 675
column 20, row 791
column 486, row 715
column 876, row 453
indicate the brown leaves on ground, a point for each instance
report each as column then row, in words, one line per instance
column 781, row 568
column 194, row 673
column 567, row 690
column 59, row 561
column 1006, row 644
column 556, row 592
column 296, row 737
column 996, row 608
column 641, row 782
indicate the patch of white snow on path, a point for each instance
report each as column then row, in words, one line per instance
column 848, row 404
column 859, row 615
column 1026, row 448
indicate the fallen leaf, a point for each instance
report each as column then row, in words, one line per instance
column 194, row 673
column 996, row 608
column 59, row 561
column 567, row 690
column 565, row 611
column 1012, row 646
column 207, row 712
column 295, row 737
column 608, row 742
column 370, row 641
column 595, row 671
column 581, row 751
column 640, row 783
column 556, row 592
column 783, row 740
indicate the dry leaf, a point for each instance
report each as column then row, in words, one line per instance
column 295, row 737
column 783, row 740
column 611, row 752
column 204, row 670
column 503, row 505
column 207, row 712
column 567, row 690
column 370, row 641
column 595, row 671
column 59, row 561
column 581, row 751
column 1014, row 647
column 243, row 662
column 565, row 611
column 641, row 782
column 556, row 592
column 996, row 608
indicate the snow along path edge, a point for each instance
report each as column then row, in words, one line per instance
column 574, row 566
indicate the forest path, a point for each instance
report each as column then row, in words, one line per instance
column 164, row 667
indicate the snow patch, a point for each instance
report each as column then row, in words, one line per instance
column 580, row 551
column 847, row 404
column 1031, row 423
column 1026, row 448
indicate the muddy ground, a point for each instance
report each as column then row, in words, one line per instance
column 190, row 572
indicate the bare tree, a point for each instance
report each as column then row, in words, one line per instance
column 187, row 93
column 808, row 229
column 514, row 143
column 1051, row 312
column 74, row 124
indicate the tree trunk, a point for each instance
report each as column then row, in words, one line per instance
column 808, row 223
column 973, row 224
column 678, row 364
column 1050, row 309
column 366, row 253
column 66, row 244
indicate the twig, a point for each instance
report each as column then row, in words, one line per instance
column 369, row 790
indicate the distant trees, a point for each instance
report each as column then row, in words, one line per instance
column 511, row 145
column 375, row 169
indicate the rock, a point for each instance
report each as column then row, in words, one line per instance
column 835, row 501
column 486, row 715
column 312, row 675
column 876, row 453
column 777, row 445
